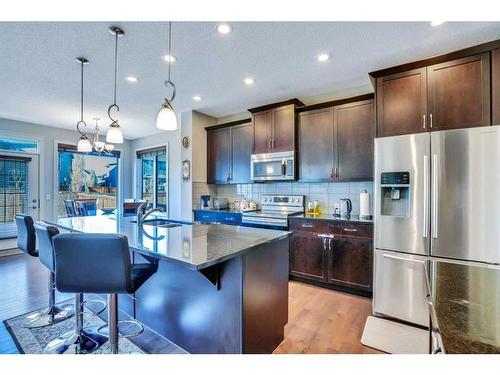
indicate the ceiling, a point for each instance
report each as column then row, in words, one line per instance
column 39, row 78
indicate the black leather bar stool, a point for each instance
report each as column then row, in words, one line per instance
column 98, row 263
column 54, row 313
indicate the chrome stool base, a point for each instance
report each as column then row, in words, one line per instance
column 86, row 342
column 123, row 332
column 91, row 302
column 53, row 315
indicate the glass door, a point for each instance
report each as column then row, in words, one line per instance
column 153, row 176
column 19, row 192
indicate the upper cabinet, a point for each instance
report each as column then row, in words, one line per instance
column 459, row 93
column 274, row 127
column 228, row 153
column 336, row 143
column 495, row 81
column 450, row 91
column 354, row 135
column 402, row 103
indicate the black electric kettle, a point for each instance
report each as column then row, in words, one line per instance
column 345, row 207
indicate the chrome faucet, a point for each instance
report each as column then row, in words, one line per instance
column 141, row 217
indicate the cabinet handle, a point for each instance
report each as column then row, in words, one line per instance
column 424, row 121
column 307, row 225
column 350, row 230
column 270, row 143
column 430, row 116
column 330, row 243
column 332, row 175
column 336, row 171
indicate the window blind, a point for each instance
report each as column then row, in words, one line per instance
column 151, row 152
column 14, row 184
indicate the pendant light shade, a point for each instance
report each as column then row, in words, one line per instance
column 166, row 119
column 84, row 144
column 114, row 134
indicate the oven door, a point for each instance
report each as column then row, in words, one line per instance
column 264, row 222
column 273, row 167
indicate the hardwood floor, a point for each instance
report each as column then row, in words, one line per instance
column 320, row 320
column 324, row 321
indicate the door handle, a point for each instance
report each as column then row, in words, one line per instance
column 403, row 259
column 435, row 195
column 425, row 223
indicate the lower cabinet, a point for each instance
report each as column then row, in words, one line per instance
column 231, row 218
column 325, row 256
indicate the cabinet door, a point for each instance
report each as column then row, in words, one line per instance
column 262, row 131
column 283, row 129
column 219, row 155
column 402, row 103
column 350, row 262
column 316, row 157
column 354, row 135
column 307, row 256
column 459, row 93
column 495, row 83
column 242, row 143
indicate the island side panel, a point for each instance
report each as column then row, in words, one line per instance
column 185, row 307
column 265, row 297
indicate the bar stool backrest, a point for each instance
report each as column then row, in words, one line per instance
column 92, row 263
column 26, row 238
column 45, row 234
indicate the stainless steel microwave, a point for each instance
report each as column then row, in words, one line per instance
column 276, row 166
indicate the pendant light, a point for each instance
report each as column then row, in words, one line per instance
column 83, row 143
column 114, row 134
column 100, row 146
column 166, row 119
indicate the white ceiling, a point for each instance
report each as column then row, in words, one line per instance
column 39, row 78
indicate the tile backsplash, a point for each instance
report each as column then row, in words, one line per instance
column 326, row 193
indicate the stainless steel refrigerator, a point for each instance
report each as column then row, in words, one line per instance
column 436, row 195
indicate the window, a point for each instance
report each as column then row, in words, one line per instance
column 90, row 177
column 152, row 173
column 18, row 145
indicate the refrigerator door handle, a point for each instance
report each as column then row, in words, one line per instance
column 435, row 196
column 403, row 259
column 426, row 197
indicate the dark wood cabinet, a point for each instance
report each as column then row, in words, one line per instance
column 284, row 126
column 332, row 254
column 459, row 93
column 495, row 85
column 219, row 156
column 307, row 256
column 447, row 93
column 354, row 125
column 228, row 154
column 274, row 127
column 241, row 148
column 350, row 262
column 336, row 143
column 263, row 130
column 316, row 150
column 402, row 103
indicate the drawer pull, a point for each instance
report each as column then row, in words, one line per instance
column 350, row 230
column 307, row 225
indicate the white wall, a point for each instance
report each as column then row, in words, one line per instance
column 48, row 137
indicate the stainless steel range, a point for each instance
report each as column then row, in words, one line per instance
column 274, row 212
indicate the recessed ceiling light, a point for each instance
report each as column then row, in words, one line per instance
column 323, row 57
column 437, row 23
column 248, row 81
column 224, row 28
column 131, row 79
column 197, row 98
column 170, row 58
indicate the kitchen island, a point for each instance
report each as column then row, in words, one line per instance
column 218, row 288
column 464, row 307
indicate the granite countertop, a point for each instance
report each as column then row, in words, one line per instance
column 465, row 306
column 197, row 246
column 330, row 217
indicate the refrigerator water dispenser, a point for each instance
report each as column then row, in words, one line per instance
column 395, row 194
